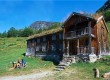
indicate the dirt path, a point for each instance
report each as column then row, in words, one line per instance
column 33, row 76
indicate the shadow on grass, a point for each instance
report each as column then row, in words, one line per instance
column 54, row 58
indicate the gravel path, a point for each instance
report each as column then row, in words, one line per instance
column 33, row 76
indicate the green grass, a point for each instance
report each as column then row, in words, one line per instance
column 10, row 50
column 108, row 25
column 85, row 70
column 82, row 71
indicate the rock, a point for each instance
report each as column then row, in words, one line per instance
column 92, row 58
column 106, row 75
column 73, row 60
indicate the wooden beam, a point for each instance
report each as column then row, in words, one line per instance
column 64, row 47
column 68, row 48
column 64, row 42
column 100, row 48
column 89, row 26
column 77, row 46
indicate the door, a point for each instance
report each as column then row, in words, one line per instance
column 73, row 47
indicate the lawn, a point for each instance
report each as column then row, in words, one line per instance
column 108, row 25
column 82, row 71
column 10, row 50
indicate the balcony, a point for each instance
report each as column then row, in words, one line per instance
column 79, row 33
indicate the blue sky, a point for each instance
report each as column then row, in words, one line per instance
column 21, row 13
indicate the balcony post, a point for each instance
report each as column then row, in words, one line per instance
column 64, row 46
column 68, row 48
column 77, row 46
column 89, row 26
column 64, row 42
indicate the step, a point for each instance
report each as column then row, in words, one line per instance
column 58, row 69
column 61, row 67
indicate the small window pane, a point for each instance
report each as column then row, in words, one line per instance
column 44, row 38
column 61, row 36
column 38, row 40
column 53, row 46
column 44, row 47
column 53, row 37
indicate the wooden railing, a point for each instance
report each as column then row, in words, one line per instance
column 83, row 50
column 79, row 32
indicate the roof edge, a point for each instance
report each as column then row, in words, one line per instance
column 101, row 17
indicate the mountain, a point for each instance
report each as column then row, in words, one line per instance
column 105, row 7
column 105, row 10
column 41, row 24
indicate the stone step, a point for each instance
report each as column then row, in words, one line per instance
column 58, row 69
column 65, row 64
column 61, row 67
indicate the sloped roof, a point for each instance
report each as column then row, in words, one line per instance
column 79, row 14
column 99, row 17
column 47, row 32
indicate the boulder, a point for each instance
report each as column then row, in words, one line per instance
column 92, row 58
column 106, row 75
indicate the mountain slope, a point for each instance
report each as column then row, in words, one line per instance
column 105, row 7
column 105, row 10
column 41, row 24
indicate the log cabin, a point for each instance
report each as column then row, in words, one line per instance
column 48, row 42
column 79, row 34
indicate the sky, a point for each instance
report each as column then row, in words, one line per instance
column 22, row 13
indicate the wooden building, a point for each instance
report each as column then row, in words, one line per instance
column 85, row 35
column 41, row 44
column 79, row 34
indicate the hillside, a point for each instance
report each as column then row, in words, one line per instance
column 105, row 10
column 41, row 25
column 10, row 50
column 105, row 7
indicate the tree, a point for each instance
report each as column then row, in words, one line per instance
column 4, row 34
column 0, row 34
column 27, row 32
column 12, row 32
column 107, row 15
column 20, row 32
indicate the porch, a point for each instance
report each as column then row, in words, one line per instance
column 78, row 46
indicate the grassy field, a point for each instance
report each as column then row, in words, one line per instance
column 108, row 25
column 10, row 50
column 82, row 71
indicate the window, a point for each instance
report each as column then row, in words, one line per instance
column 38, row 48
column 53, row 46
column 33, row 41
column 44, row 38
column 54, row 37
column 44, row 47
column 61, row 36
column 61, row 47
column 38, row 40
